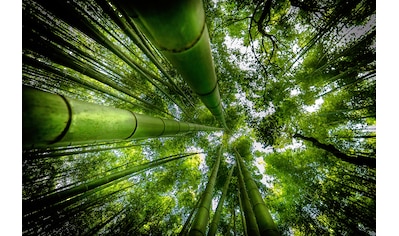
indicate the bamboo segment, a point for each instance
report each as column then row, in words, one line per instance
column 218, row 212
column 53, row 120
column 182, row 21
column 244, row 224
column 178, row 29
column 202, row 216
column 57, row 197
column 250, row 218
column 171, row 127
column 263, row 218
column 187, row 224
column 184, row 127
column 53, row 115
column 148, row 126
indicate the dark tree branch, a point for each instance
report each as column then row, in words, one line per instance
column 357, row 160
column 308, row 6
column 263, row 21
column 252, row 42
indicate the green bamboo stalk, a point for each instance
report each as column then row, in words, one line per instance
column 179, row 30
column 244, row 224
column 90, row 85
column 100, row 225
column 250, row 219
column 234, row 220
column 64, row 208
column 131, row 31
column 187, row 224
column 93, row 32
column 218, row 212
column 53, row 120
column 68, row 153
column 263, row 217
column 202, row 217
column 41, row 151
column 34, row 204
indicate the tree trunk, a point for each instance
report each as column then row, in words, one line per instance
column 357, row 160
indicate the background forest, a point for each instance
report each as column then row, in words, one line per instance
column 297, row 83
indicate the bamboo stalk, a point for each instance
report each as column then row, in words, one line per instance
column 187, row 224
column 263, row 217
column 218, row 212
column 178, row 29
column 202, row 217
column 53, row 120
column 250, row 219
column 36, row 204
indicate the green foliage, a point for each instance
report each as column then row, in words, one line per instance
column 286, row 57
column 321, row 188
column 243, row 146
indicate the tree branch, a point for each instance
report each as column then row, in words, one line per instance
column 357, row 160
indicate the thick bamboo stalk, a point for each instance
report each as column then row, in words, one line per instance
column 179, row 30
column 130, row 30
column 53, row 120
column 187, row 224
column 202, row 217
column 244, row 224
column 263, row 218
column 218, row 212
column 88, row 27
column 250, row 219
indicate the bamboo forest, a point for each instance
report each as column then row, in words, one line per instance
column 198, row 117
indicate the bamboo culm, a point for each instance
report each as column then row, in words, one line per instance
column 202, row 217
column 263, row 218
column 250, row 219
column 36, row 204
column 187, row 224
column 53, row 120
column 189, row 53
column 218, row 212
